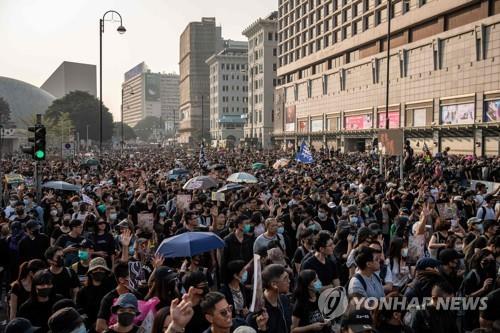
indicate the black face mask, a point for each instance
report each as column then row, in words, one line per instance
column 98, row 276
column 20, row 211
column 35, row 232
column 43, row 292
column 59, row 262
column 126, row 318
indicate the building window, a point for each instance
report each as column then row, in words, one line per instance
column 269, row 36
column 274, row 52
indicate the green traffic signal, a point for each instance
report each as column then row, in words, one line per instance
column 39, row 154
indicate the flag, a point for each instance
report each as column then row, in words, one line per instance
column 304, row 155
column 202, row 161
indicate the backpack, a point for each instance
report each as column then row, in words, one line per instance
column 362, row 281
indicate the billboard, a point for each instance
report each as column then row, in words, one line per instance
column 393, row 119
column 359, row 122
column 302, row 124
column 391, row 142
column 290, row 119
column 457, row 114
column 492, row 111
column 316, row 125
column 138, row 69
column 152, row 87
column 419, row 117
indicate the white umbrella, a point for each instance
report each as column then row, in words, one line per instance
column 242, row 177
column 200, row 183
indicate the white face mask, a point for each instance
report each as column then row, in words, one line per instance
column 404, row 252
column 80, row 329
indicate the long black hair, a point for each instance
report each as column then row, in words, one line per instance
column 301, row 293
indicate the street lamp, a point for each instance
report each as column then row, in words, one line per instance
column 121, row 30
column 131, row 93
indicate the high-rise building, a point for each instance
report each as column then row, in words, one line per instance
column 198, row 42
column 228, row 93
column 444, row 77
column 262, row 62
column 169, row 95
column 71, row 76
column 145, row 94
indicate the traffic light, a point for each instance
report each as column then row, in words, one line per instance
column 37, row 149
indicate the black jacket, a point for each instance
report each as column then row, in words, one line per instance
column 234, row 250
column 247, row 296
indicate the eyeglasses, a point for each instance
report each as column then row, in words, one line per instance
column 227, row 311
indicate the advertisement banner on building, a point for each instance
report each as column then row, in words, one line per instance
column 302, row 124
column 316, row 125
column 492, row 111
column 138, row 69
column 290, row 119
column 419, row 117
column 457, row 114
column 391, row 142
column 359, row 122
column 393, row 119
column 152, row 87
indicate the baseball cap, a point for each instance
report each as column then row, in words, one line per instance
column 447, row 255
column 127, row 300
column 424, row 263
column 20, row 325
column 358, row 321
column 96, row 263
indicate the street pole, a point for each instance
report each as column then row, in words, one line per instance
column 101, row 29
column 87, row 141
column 202, row 123
column 388, row 39
column 121, row 153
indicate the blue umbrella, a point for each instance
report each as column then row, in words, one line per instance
column 189, row 244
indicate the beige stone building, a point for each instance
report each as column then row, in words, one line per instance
column 262, row 62
column 198, row 42
column 444, row 73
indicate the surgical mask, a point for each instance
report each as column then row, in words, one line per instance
column 404, row 252
column 83, row 255
column 246, row 228
column 43, row 292
column 353, row 219
column 98, row 276
column 281, row 230
column 12, row 203
column 112, row 216
column 53, row 212
column 27, row 202
column 317, row 285
column 126, row 318
column 244, row 277
column 322, row 216
column 459, row 247
column 480, row 228
column 312, row 227
column 80, row 329
column 74, row 204
column 110, row 199
column 163, row 214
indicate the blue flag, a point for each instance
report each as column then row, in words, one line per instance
column 304, row 155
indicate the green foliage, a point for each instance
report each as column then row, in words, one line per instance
column 128, row 132
column 58, row 130
column 4, row 111
column 147, row 127
column 83, row 110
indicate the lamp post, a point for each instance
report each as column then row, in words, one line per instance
column 121, row 29
column 131, row 93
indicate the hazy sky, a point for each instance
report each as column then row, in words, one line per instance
column 37, row 35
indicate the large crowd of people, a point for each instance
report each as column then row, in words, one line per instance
column 86, row 260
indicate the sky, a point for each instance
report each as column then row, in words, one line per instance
column 38, row 35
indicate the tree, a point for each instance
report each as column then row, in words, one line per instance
column 4, row 112
column 59, row 130
column 148, row 126
column 128, row 132
column 83, row 110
